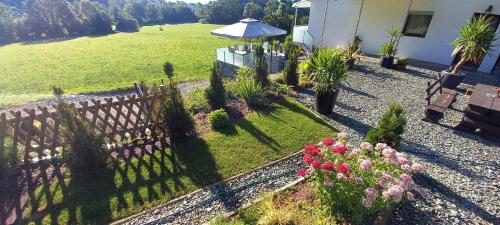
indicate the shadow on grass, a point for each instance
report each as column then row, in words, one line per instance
column 137, row 176
column 258, row 134
column 298, row 109
column 229, row 130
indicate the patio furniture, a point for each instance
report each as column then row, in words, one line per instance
column 482, row 114
column 434, row 111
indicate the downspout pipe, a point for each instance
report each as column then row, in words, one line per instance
column 359, row 18
column 323, row 26
column 410, row 3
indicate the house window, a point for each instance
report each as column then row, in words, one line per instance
column 417, row 24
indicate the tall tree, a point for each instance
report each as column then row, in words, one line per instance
column 153, row 12
column 137, row 9
column 7, row 33
column 95, row 18
column 224, row 11
column 53, row 18
column 253, row 10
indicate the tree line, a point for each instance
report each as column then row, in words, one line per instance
column 23, row 20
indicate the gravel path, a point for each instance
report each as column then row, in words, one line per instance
column 462, row 169
column 184, row 87
column 199, row 207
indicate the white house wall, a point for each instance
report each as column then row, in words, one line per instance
column 378, row 16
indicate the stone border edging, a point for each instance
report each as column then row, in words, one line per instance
column 178, row 199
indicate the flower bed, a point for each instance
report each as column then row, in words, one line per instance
column 344, row 184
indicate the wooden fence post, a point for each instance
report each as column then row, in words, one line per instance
column 3, row 133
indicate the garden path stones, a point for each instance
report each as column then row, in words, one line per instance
column 462, row 169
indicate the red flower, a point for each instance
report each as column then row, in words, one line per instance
column 308, row 159
column 302, row 172
column 340, row 149
column 327, row 166
column 328, row 141
column 311, row 150
column 316, row 164
column 343, row 168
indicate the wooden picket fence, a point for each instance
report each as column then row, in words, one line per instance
column 36, row 133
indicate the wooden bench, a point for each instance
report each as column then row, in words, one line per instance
column 434, row 111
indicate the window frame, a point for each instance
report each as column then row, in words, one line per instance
column 417, row 13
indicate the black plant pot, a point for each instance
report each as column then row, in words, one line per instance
column 350, row 63
column 387, row 61
column 451, row 81
column 326, row 101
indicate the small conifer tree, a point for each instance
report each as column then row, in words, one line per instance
column 216, row 94
column 178, row 122
column 261, row 66
column 290, row 75
column 83, row 148
column 390, row 127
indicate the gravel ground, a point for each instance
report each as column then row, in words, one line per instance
column 184, row 87
column 199, row 207
column 462, row 169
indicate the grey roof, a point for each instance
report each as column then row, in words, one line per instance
column 248, row 29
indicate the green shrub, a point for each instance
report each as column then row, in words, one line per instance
column 219, row 119
column 390, row 127
column 178, row 121
column 290, row 75
column 83, row 147
column 195, row 101
column 248, row 89
column 260, row 65
column 216, row 94
column 126, row 23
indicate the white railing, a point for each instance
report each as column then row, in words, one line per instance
column 302, row 36
column 224, row 55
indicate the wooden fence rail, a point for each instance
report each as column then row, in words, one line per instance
column 35, row 133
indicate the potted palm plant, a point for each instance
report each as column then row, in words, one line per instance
column 389, row 49
column 352, row 51
column 475, row 41
column 328, row 69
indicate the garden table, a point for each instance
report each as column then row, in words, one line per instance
column 483, row 111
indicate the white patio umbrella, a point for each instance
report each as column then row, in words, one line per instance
column 248, row 29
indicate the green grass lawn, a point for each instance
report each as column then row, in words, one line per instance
column 131, row 187
column 93, row 64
